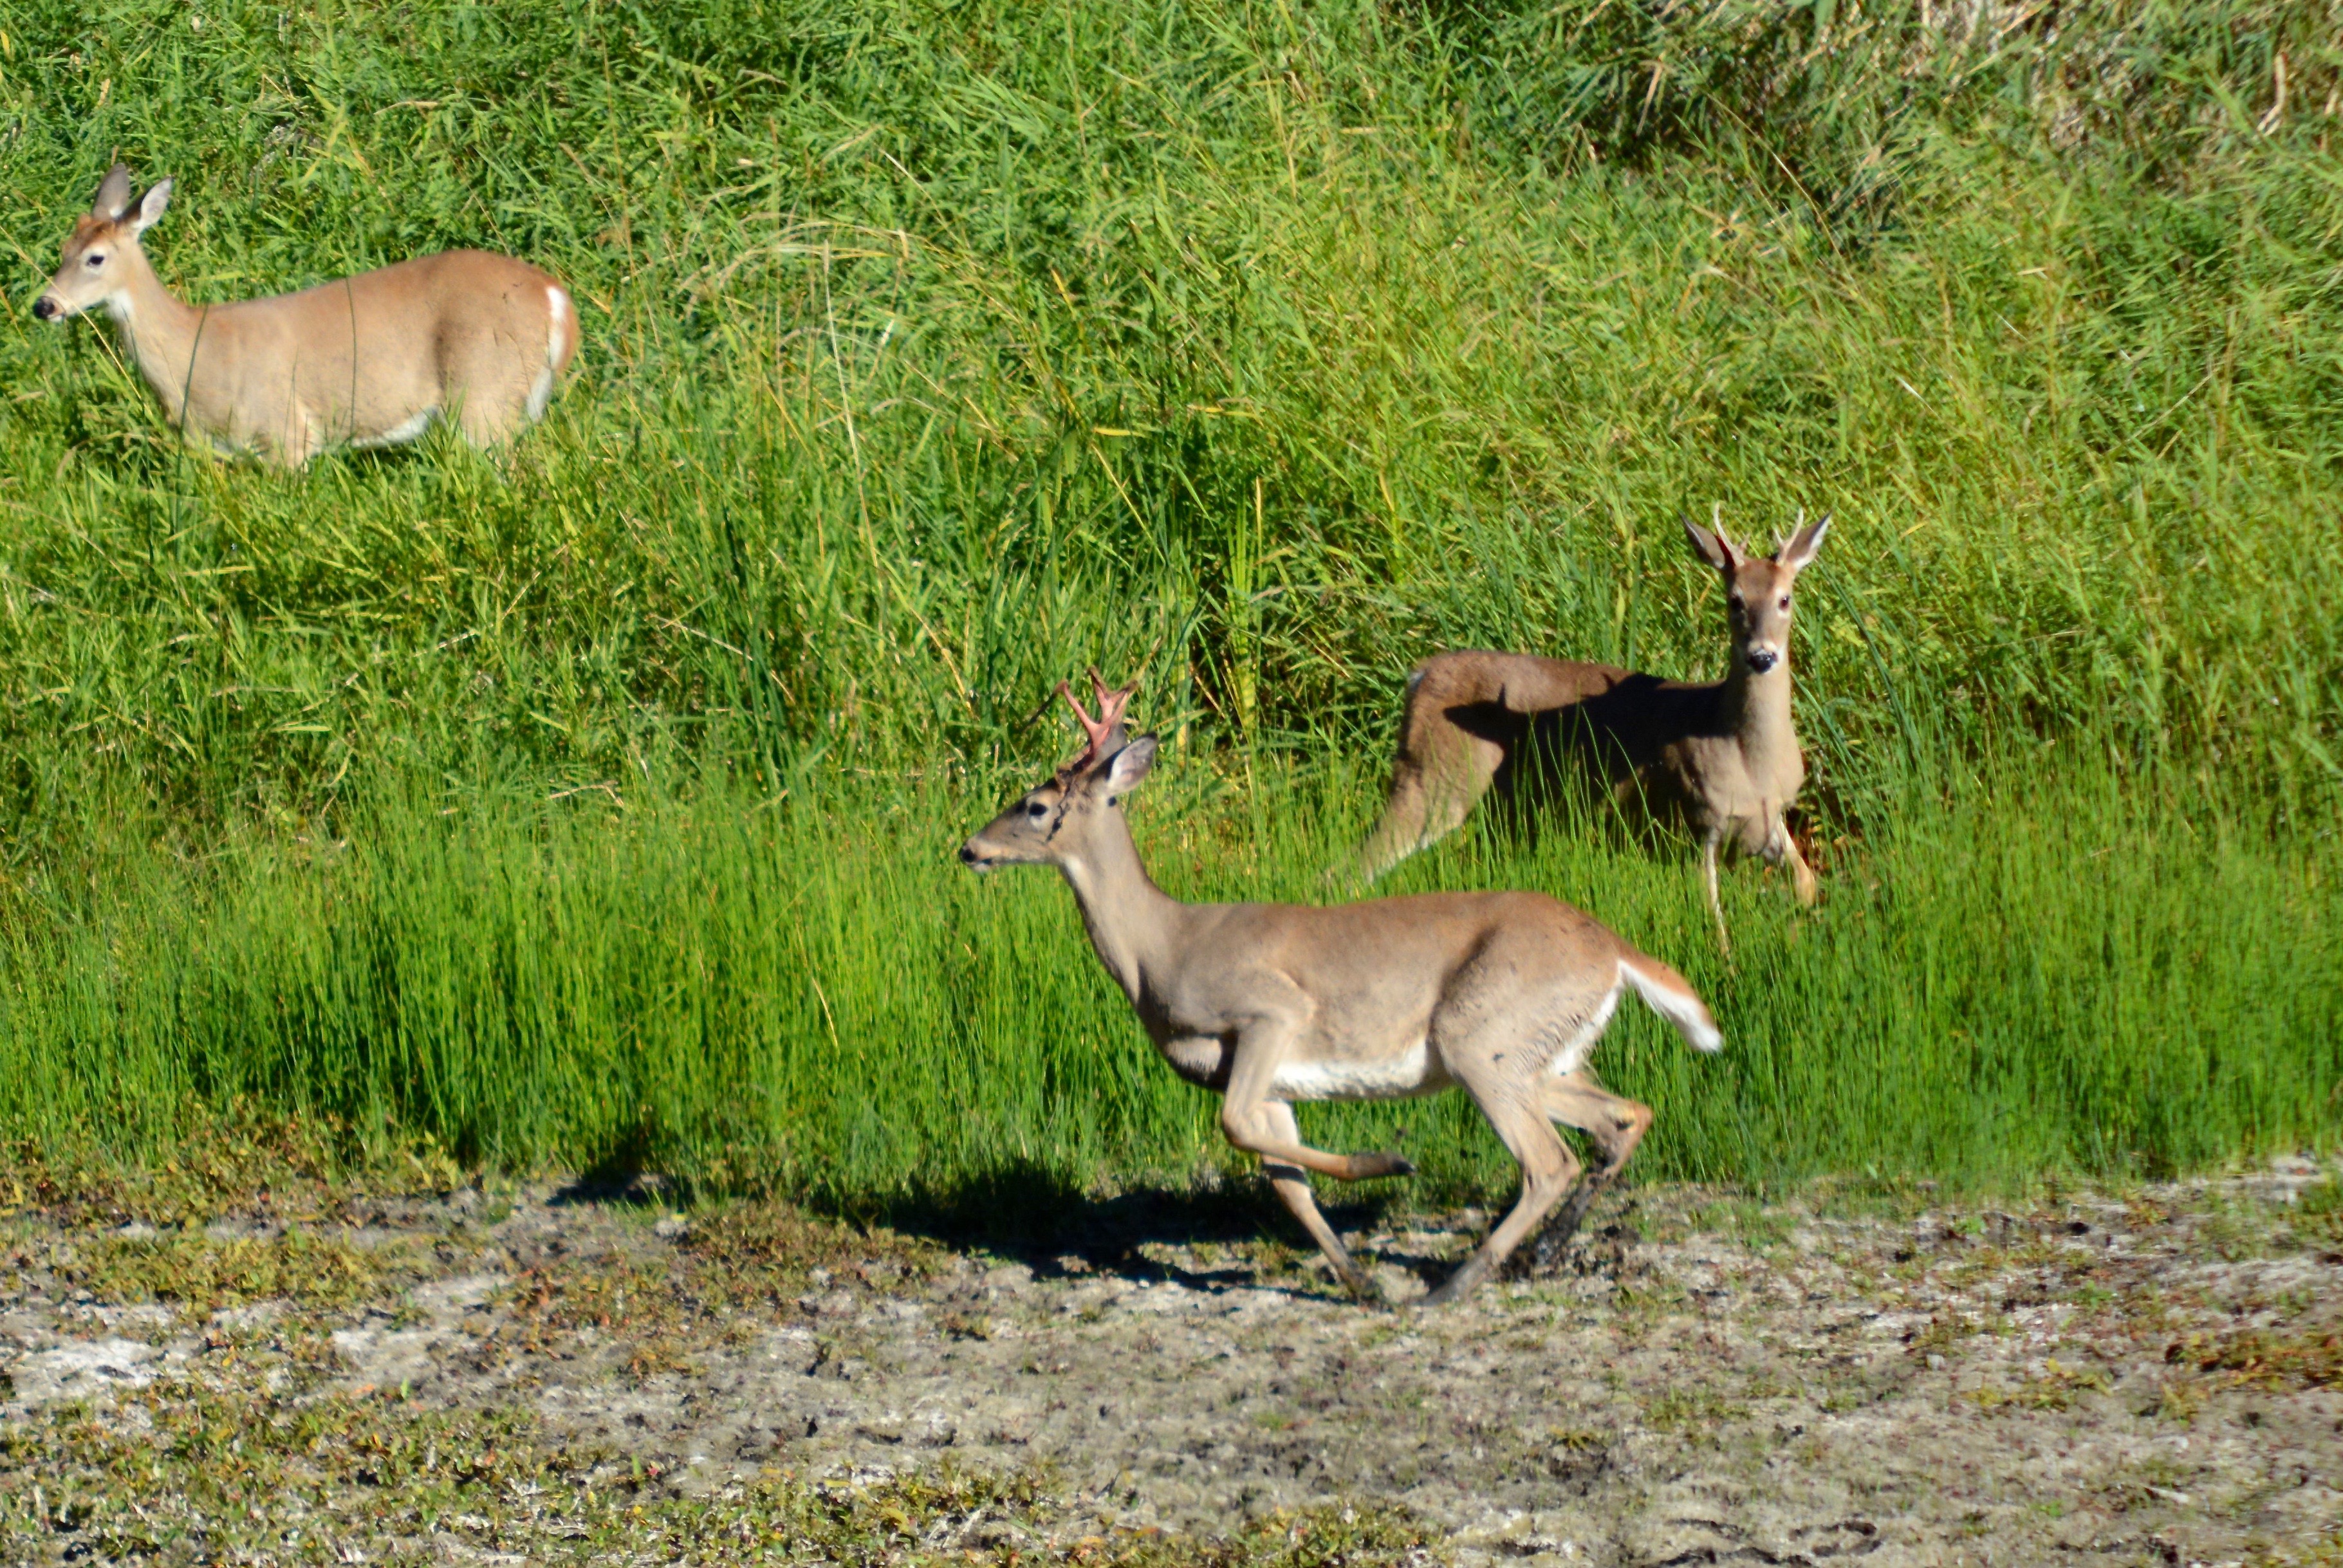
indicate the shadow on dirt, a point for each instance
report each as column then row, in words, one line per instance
column 1036, row 1218
column 1028, row 1215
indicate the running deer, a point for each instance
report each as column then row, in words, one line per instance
column 367, row 360
column 1504, row 993
column 1722, row 758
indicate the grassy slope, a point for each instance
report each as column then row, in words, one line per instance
column 933, row 353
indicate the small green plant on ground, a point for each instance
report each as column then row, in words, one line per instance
column 220, row 1475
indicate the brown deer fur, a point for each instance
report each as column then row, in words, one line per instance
column 1503, row 994
column 1720, row 758
column 369, row 360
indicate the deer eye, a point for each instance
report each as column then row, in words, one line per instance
column 95, row 260
column 1785, row 601
column 1035, row 809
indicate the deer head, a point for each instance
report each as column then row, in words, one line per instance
column 1758, row 589
column 1051, row 822
column 96, row 270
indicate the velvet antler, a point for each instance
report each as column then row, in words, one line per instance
column 1110, row 704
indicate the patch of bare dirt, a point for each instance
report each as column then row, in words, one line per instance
column 2155, row 1378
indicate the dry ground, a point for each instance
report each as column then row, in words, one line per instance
column 543, row 1376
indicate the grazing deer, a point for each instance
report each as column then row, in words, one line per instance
column 367, row 360
column 1721, row 757
column 1504, row 993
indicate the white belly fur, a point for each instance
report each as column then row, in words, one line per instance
column 1411, row 1072
column 405, row 430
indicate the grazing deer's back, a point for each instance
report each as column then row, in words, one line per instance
column 453, row 286
column 1518, row 683
column 1624, row 730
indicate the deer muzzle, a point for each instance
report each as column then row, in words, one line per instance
column 1762, row 660
column 46, row 309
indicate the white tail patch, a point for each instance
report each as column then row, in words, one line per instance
column 541, row 391
column 1679, row 1007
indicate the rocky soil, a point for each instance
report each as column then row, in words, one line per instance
column 2155, row 1377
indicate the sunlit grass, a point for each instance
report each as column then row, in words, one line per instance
column 2043, row 972
column 590, row 803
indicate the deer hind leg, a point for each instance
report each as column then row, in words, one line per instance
column 309, row 438
column 488, row 407
column 486, row 384
column 1291, row 1184
column 1548, row 1167
column 1615, row 1124
column 1439, row 776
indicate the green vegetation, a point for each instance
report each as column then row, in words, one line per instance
column 594, row 805
column 214, row 1473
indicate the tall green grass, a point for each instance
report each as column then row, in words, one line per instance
column 589, row 803
column 2072, row 976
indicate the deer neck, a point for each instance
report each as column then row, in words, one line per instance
column 159, row 330
column 1133, row 924
column 1757, row 711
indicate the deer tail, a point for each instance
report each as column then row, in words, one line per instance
column 1671, row 996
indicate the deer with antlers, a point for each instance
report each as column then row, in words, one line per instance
column 365, row 361
column 1720, row 757
column 1502, row 994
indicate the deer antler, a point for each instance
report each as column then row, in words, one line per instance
column 1110, row 704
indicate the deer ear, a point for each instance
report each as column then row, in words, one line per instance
column 1799, row 553
column 112, row 198
column 150, row 207
column 1713, row 547
column 1130, row 764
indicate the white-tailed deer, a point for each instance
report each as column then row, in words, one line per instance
column 1505, row 994
column 1722, row 758
column 369, row 361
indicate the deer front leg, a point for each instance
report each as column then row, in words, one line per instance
column 1291, row 1184
column 1716, row 901
column 1802, row 876
column 1250, row 1117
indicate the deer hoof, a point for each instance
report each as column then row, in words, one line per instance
column 1453, row 1288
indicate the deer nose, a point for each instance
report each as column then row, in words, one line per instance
column 45, row 308
column 1762, row 660
column 967, row 854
